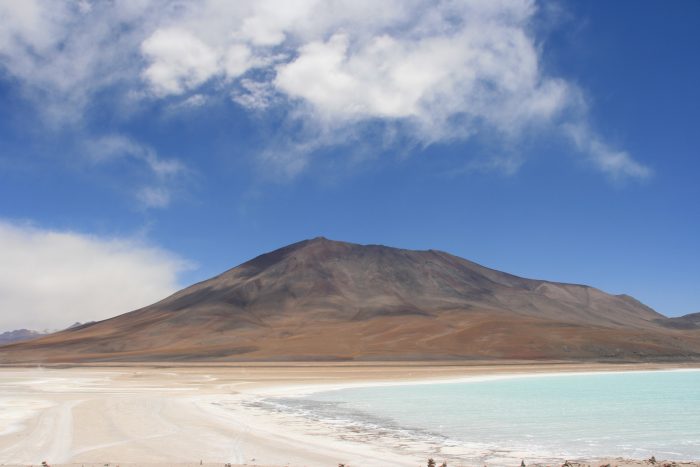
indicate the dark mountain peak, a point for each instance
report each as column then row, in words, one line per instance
column 267, row 260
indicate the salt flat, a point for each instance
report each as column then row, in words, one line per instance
column 170, row 414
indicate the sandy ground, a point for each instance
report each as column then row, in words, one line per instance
column 157, row 415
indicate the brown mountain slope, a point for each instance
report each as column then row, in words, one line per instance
column 326, row 300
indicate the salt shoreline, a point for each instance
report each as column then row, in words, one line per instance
column 139, row 416
column 453, row 450
column 298, row 391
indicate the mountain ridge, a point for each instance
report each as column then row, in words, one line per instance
column 19, row 335
column 689, row 321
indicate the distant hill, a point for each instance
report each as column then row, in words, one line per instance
column 691, row 321
column 19, row 335
column 327, row 300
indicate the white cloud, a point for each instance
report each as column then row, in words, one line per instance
column 439, row 70
column 615, row 163
column 484, row 72
column 50, row 279
column 425, row 62
column 435, row 70
column 254, row 95
column 197, row 100
column 64, row 52
column 30, row 24
column 236, row 61
column 178, row 61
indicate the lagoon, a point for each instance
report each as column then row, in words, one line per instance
column 554, row 416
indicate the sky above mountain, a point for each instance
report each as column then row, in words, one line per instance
column 146, row 145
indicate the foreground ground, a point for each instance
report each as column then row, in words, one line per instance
column 600, row 463
column 157, row 415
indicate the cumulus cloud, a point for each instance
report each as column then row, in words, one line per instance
column 436, row 71
column 443, row 67
column 178, row 61
column 50, row 279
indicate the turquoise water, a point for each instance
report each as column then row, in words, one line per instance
column 636, row 414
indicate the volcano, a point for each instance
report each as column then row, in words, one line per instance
column 324, row 300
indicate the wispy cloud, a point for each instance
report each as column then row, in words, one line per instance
column 153, row 197
column 255, row 95
column 50, row 279
column 62, row 53
column 616, row 164
column 166, row 175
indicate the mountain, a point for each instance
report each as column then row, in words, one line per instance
column 18, row 335
column 327, row 300
column 691, row 321
column 21, row 335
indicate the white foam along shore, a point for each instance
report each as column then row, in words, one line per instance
column 137, row 415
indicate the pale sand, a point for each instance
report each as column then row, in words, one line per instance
column 139, row 415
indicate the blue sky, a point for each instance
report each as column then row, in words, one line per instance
column 147, row 146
